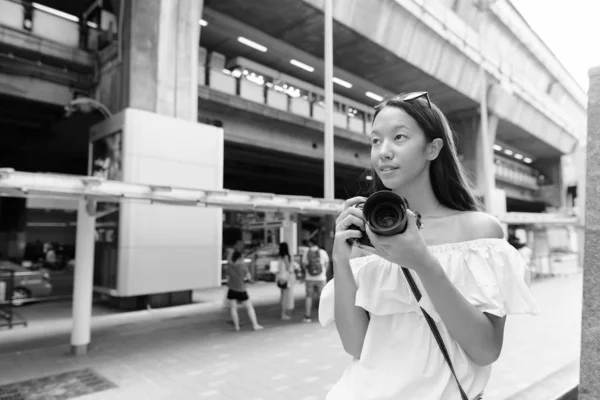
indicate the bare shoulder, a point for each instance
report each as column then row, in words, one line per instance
column 482, row 225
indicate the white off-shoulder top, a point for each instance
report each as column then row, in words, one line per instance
column 400, row 358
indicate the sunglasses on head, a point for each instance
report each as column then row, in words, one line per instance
column 414, row 96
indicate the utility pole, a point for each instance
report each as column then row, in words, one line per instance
column 328, row 140
column 328, row 158
column 486, row 184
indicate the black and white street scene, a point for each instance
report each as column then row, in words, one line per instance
column 299, row 200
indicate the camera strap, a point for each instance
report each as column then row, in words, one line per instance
column 434, row 330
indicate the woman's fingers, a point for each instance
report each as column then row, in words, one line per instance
column 354, row 201
column 348, row 221
column 348, row 234
column 351, row 210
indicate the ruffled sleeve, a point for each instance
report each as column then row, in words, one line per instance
column 382, row 289
column 490, row 274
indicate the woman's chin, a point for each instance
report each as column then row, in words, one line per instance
column 391, row 183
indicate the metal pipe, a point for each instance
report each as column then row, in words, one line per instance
column 328, row 140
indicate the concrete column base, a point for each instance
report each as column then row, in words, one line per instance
column 79, row 350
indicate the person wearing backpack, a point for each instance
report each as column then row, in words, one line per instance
column 315, row 262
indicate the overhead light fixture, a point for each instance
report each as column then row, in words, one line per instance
column 497, row 147
column 302, row 65
column 342, row 82
column 508, row 152
column 518, row 156
column 55, row 12
column 252, row 44
column 202, row 22
column 527, row 160
column 374, row 96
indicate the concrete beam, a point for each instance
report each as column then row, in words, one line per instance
column 35, row 89
column 11, row 39
column 426, row 37
column 206, row 93
column 255, row 129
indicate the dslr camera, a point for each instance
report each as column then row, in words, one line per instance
column 385, row 213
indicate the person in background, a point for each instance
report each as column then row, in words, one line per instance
column 315, row 262
column 239, row 247
column 237, row 273
column 286, row 278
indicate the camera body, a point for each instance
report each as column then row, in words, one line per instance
column 385, row 213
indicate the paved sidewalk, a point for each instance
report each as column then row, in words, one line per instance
column 191, row 353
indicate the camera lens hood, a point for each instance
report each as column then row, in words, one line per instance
column 385, row 212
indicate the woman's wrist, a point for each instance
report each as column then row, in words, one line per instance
column 341, row 263
column 430, row 268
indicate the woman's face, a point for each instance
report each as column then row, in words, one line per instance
column 398, row 148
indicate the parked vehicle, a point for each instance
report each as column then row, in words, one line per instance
column 28, row 283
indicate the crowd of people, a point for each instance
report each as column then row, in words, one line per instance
column 315, row 262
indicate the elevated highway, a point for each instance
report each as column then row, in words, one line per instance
column 382, row 47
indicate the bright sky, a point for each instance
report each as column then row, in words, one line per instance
column 570, row 28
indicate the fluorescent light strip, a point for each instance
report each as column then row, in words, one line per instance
column 508, row 152
column 518, row 156
column 55, row 12
column 374, row 96
column 203, row 22
column 342, row 82
column 497, row 147
column 302, row 65
column 527, row 160
column 252, row 44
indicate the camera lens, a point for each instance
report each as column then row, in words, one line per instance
column 385, row 216
column 385, row 212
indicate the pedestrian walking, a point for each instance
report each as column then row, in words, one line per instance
column 422, row 313
column 315, row 262
column 237, row 273
column 286, row 279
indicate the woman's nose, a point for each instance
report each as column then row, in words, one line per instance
column 386, row 152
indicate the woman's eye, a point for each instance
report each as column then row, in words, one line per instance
column 399, row 136
column 374, row 141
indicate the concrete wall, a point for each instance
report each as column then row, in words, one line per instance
column 589, row 387
column 164, row 248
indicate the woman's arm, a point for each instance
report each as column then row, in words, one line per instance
column 351, row 321
column 480, row 335
column 288, row 264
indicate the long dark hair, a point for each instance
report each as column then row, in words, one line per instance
column 284, row 250
column 448, row 177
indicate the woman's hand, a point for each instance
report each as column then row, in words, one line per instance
column 349, row 216
column 407, row 249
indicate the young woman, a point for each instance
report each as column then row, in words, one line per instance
column 237, row 273
column 285, row 279
column 469, row 277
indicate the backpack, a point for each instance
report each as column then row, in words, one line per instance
column 314, row 267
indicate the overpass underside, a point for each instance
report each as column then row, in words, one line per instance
column 379, row 42
column 394, row 48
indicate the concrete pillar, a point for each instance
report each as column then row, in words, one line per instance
column 158, row 66
column 478, row 154
column 556, row 193
column 589, row 386
column 84, row 277
column 13, row 225
column 289, row 233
